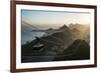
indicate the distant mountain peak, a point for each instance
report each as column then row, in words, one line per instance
column 64, row 27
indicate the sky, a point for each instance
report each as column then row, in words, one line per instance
column 53, row 18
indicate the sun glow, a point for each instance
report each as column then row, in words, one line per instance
column 54, row 18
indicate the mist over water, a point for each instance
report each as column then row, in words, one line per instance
column 29, row 36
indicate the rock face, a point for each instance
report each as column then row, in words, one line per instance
column 59, row 44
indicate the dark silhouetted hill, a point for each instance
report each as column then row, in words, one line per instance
column 78, row 50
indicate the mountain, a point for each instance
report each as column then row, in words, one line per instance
column 80, row 31
column 58, row 44
column 78, row 50
column 26, row 27
column 64, row 27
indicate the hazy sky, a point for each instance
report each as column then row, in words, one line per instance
column 53, row 18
